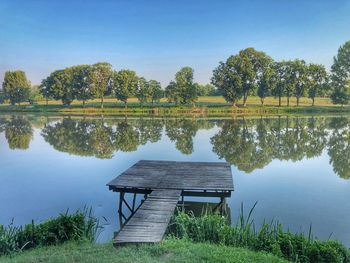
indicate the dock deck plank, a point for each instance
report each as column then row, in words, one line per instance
column 149, row 223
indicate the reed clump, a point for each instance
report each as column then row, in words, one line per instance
column 270, row 237
column 77, row 226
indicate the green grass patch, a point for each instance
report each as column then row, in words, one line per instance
column 80, row 225
column 270, row 238
column 171, row 250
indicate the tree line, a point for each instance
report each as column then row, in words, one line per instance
column 250, row 72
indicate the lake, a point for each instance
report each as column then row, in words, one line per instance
column 297, row 168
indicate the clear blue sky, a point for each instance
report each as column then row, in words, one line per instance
column 156, row 38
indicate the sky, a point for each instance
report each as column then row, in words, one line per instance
column 158, row 37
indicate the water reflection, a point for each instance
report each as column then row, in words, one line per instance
column 18, row 132
column 248, row 144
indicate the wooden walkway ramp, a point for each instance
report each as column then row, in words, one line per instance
column 149, row 223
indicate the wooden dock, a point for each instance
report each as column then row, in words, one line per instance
column 163, row 183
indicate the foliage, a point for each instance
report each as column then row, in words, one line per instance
column 267, row 82
column 341, row 75
column 204, row 90
column 182, row 90
column 171, row 92
column 125, row 83
column 142, row 90
column 155, row 90
column 59, row 86
column 2, row 97
column 77, row 226
column 100, row 79
column 318, row 81
column 270, row 237
column 239, row 76
column 16, row 87
column 80, row 82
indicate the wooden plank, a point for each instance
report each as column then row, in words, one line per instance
column 176, row 175
column 149, row 223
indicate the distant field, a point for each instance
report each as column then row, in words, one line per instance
column 252, row 101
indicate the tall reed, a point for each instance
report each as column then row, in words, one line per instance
column 80, row 225
column 270, row 237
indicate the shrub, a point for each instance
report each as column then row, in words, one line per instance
column 77, row 226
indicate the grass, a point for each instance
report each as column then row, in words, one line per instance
column 270, row 237
column 205, row 106
column 172, row 250
column 80, row 225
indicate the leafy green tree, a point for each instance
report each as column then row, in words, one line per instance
column 18, row 133
column 16, row 87
column 228, row 81
column 299, row 78
column 59, row 86
column 267, row 82
column 239, row 76
column 318, row 81
column 204, row 90
column 125, row 83
column 142, row 90
column 279, row 89
column 252, row 64
column 341, row 75
column 100, row 79
column 171, row 92
column 185, row 87
column 2, row 97
column 155, row 89
column 80, row 81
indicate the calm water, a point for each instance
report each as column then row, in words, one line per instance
column 298, row 169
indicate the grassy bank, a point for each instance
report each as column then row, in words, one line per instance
column 206, row 106
column 168, row 251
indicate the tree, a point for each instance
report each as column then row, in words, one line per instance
column 142, row 90
column 155, row 90
column 2, row 97
column 239, row 76
column 299, row 78
column 341, row 75
column 171, row 92
column 125, row 83
column 59, row 86
column 227, row 80
column 267, row 83
column 80, row 82
column 279, row 89
column 318, row 81
column 185, row 87
column 16, row 87
column 204, row 90
column 252, row 64
column 100, row 78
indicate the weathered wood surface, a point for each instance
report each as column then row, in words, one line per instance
column 149, row 223
column 205, row 176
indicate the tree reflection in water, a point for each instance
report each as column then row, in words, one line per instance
column 18, row 131
column 248, row 144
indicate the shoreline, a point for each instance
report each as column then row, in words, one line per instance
column 173, row 111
